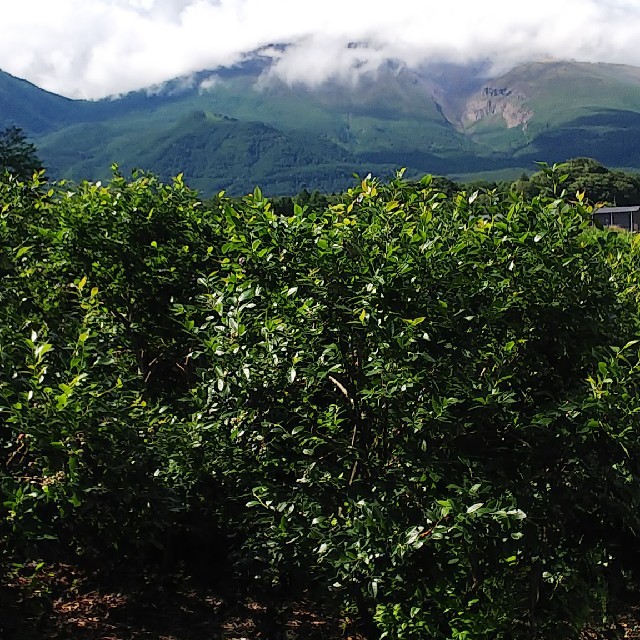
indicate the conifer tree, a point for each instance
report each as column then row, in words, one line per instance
column 18, row 156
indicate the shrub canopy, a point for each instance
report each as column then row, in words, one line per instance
column 421, row 408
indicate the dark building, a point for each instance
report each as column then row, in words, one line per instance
column 624, row 217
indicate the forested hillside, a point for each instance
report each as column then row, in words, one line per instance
column 233, row 128
column 417, row 411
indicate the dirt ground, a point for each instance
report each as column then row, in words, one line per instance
column 59, row 602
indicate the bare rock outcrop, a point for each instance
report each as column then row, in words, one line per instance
column 501, row 101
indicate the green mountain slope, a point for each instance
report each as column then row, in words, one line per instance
column 35, row 110
column 213, row 152
column 284, row 137
column 569, row 109
column 443, row 119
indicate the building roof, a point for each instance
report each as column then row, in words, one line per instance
column 633, row 209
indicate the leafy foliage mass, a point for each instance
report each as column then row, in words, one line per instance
column 420, row 409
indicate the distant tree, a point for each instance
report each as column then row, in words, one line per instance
column 599, row 183
column 446, row 185
column 480, row 185
column 283, row 205
column 17, row 155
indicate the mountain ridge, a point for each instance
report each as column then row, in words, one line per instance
column 449, row 119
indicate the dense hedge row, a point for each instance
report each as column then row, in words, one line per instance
column 421, row 410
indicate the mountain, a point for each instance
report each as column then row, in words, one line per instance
column 35, row 110
column 557, row 110
column 237, row 127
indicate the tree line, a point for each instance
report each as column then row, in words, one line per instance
column 600, row 184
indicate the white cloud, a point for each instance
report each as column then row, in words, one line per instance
column 208, row 83
column 92, row 49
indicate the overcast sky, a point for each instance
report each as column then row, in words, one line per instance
column 94, row 48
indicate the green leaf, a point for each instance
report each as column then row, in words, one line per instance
column 42, row 349
column 474, row 507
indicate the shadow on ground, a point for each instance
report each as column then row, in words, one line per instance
column 60, row 602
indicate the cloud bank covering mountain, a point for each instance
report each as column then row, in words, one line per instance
column 93, row 49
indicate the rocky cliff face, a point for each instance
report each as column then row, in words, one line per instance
column 501, row 101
